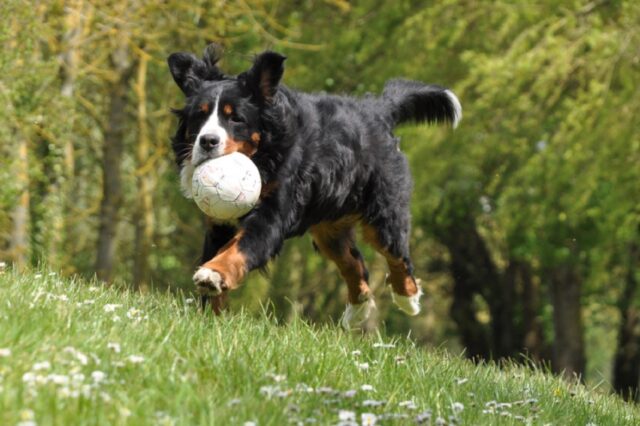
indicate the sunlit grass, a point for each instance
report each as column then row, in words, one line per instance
column 74, row 352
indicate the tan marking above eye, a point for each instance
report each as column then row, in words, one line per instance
column 255, row 137
column 228, row 109
column 204, row 107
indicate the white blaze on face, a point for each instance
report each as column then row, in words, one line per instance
column 211, row 127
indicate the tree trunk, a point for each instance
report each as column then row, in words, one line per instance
column 19, row 234
column 143, row 217
column 111, row 161
column 532, row 334
column 59, row 250
column 568, row 346
column 626, row 369
column 473, row 274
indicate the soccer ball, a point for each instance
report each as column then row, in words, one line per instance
column 226, row 187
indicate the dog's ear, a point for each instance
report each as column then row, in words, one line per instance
column 263, row 78
column 189, row 72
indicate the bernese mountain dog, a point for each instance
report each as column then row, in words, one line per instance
column 328, row 163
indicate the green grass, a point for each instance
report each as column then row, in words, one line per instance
column 73, row 352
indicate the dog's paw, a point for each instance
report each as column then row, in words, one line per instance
column 209, row 282
column 410, row 305
column 355, row 315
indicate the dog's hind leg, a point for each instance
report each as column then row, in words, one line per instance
column 336, row 241
column 392, row 242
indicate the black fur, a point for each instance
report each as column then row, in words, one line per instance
column 326, row 156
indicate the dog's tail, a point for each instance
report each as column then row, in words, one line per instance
column 423, row 103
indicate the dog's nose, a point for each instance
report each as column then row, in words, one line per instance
column 209, row 141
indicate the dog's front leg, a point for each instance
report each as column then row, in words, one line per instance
column 216, row 237
column 252, row 246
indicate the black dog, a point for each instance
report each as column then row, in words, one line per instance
column 327, row 164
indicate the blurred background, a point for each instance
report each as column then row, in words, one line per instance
column 526, row 219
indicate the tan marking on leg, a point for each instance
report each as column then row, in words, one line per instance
column 230, row 263
column 402, row 282
column 335, row 241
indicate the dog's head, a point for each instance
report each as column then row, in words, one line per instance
column 223, row 114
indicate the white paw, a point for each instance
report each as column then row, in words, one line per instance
column 410, row 305
column 208, row 282
column 355, row 315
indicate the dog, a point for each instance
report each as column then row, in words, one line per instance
column 328, row 163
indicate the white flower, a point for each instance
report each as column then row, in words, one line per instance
column 115, row 318
column 39, row 366
column 133, row 313
column 110, row 307
column 368, row 419
column 82, row 358
column 5, row 352
column 277, row 377
column 346, row 415
column 366, row 388
column 58, row 379
column 269, row 391
column 98, row 376
column 424, row 417
column 283, row 393
column 302, row 387
column 93, row 289
column 461, row 381
column 356, row 353
column 29, row 377
column 77, row 378
column 37, row 276
column 457, row 407
column 114, row 347
column 189, row 301
column 409, row 405
column 364, row 366
column 135, row 359
column 384, row 345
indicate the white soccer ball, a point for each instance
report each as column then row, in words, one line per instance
column 226, row 187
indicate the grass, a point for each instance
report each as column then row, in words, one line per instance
column 72, row 352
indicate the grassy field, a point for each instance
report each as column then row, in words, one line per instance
column 72, row 352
